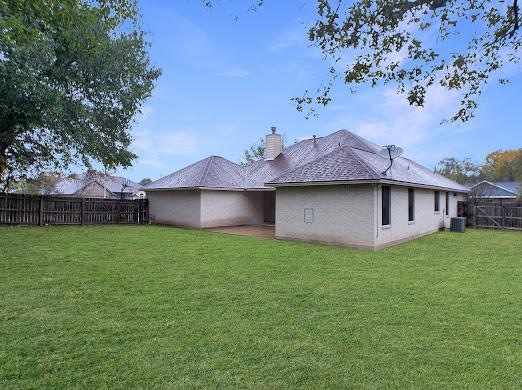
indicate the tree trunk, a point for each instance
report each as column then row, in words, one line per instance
column 3, row 164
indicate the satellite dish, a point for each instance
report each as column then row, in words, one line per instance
column 390, row 152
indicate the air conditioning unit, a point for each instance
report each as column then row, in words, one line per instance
column 458, row 224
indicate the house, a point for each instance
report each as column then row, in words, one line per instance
column 98, row 185
column 496, row 190
column 328, row 189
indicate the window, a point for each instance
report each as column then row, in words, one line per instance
column 437, row 201
column 386, row 205
column 411, row 204
column 447, row 203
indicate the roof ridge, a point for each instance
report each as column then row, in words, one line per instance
column 502, row 186
column 495, row 184
column 338, row 149
column 365, row 141
column 205, row 171
column 364, row 163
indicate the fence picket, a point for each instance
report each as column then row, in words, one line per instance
column 23, row 209
column 496, row 214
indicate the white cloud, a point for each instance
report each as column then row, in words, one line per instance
column 179, row 143
column 164, row 144
column 190, row 40
column 234, row 73
column 336, row 107
column 389, row 119
column 289, row 38
column 146, row 111
column 399, row 123
column 153, row 162
column 226, row 129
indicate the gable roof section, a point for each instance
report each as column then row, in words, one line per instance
column 511, row 186
column 500, row 189
column 340, row 165
column 340, row 156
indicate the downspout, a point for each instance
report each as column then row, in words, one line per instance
column 376, row 208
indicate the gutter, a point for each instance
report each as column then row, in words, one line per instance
column 268, row 189
column 367, row 181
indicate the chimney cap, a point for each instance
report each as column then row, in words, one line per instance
column 273, row 128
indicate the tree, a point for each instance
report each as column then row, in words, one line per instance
column 73, row 74
column 44, row 183
column 461, row 171
column 413, row 45
column 503, row 165
column 145, row 181
column 254, row 152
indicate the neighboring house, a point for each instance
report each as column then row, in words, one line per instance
column 496, row 190
column 99, row 186
column 329, row 189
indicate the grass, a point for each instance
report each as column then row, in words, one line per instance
column 158, row 307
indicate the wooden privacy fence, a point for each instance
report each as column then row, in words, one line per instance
column 497, row 216
column 21, row 209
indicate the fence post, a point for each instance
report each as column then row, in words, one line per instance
column 83, row 211
column 40, row 219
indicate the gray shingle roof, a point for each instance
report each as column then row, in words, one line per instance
column 301, row 153
column 213, row 171
column 340, row 156
column 340, row 165
column 496, row 189
column 511, row 186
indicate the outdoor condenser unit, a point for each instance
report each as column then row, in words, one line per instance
column 458, row 224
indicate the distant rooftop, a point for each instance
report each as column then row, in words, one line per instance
column 496, row 189
column 71, row 185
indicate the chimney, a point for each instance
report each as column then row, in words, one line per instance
column 273, row 145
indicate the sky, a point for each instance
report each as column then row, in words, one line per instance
column 229, row 74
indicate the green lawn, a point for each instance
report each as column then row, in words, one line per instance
column 158, row 307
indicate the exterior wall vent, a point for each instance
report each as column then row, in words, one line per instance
column 308, row 216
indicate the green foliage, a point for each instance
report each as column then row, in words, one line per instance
column 461, row 171
column 503, row 165
column 254, row 152
column 500, row 165
column 257, row 151
column 145, row 181
column 150, row 307
column 73, row 74
column 44, row 183
column 405, row 43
